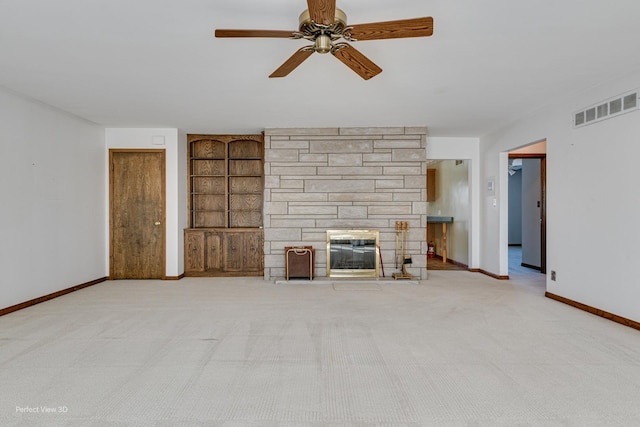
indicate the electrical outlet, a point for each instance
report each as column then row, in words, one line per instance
column 553, row 275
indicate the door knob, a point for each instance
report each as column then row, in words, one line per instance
column 157, row 223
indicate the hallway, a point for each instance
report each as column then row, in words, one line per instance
column 515, row 263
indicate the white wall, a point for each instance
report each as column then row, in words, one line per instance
column 176, row 216
column 182, row 201
column 592, row 210
column 443, row 148
column 52, row 200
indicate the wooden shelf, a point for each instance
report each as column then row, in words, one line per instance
column 226, row 174
column 226, row 187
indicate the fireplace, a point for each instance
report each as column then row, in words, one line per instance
column 353, row 253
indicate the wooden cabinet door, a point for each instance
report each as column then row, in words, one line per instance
column 194, row 251
column 213, row 251
column 233, row 251
column 220, row 252
column 243, row 251
column 253, row 251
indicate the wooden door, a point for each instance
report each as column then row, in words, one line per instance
column 137, row 214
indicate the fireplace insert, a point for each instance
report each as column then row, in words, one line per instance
column 353, row 253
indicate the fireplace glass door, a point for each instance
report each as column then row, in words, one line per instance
column 352, row 253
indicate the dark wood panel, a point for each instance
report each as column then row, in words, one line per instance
column 208, row 185
column 233, row 251
column 214, row 251
column 208, row 202
column 245, row 184
column 208, row 149
column 244, row 202
column 253, row 252
column 137, row 200
column 194, row 251
column 245, row 149
column 210, row 219
column 245, row 219
column 208, row 167
column 245, row 167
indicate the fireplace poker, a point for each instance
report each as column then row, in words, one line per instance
column 381, row 264
column 396, row 253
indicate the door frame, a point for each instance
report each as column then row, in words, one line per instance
column 163, row 152
column 543, row 203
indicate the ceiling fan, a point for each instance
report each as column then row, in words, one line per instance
column 324, row 25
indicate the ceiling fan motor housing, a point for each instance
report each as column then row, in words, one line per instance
column 306, row 23
column 322, row 35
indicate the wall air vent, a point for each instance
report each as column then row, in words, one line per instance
column 607, row 109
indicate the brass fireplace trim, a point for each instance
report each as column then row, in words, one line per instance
column 354, row 235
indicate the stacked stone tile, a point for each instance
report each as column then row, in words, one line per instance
column 344, row 178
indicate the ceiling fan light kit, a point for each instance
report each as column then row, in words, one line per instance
column 324, row 25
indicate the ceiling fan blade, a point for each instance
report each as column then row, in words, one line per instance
column 293, row 62
column 355, row 60
column 254, row 33
column 416, row 27
column 322, row 11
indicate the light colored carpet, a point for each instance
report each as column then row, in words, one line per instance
column 460, row 349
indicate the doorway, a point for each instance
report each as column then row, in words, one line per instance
column 450, row 198
column 137, row 214
column 527, row 209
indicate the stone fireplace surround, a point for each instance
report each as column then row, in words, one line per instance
column 318, row 179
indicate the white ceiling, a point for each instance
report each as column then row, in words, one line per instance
column 155, row 63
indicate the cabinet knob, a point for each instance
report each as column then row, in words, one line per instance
column 157, row 223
